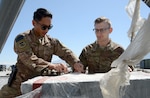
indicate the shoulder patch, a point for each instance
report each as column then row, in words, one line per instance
column 19, row 37
column 22, row 44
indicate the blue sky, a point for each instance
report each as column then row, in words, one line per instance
column 73, row 23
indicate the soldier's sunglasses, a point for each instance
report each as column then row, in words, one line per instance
column 44, row 27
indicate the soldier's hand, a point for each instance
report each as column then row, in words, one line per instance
column 59, row 67
column 130, row 69
column 78, row 67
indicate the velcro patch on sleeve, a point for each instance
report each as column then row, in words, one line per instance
column 21, row 43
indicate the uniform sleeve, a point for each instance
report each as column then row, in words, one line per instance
column 65, row 53
column 118, row 52
column 83, row 58
column 26, row 56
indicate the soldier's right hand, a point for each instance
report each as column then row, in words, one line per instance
column 59, row 67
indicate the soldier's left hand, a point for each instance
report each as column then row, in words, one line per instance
column 130, row 69
column 78, row 67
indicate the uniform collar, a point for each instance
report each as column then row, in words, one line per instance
column 42, row 40
column 108, row 47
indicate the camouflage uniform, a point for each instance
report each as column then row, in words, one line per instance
column 33, row 56
column 98, row 59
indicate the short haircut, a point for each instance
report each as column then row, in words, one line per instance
column 40, row 13
column 102, row 19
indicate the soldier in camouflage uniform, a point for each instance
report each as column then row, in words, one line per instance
column 35, row 49
column 98, row 56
